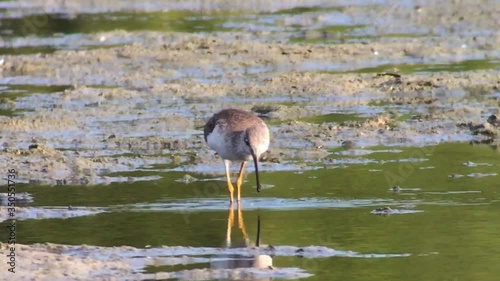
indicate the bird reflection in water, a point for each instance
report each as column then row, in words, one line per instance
column 234, row 261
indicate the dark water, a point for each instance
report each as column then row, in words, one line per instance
column 447, row 226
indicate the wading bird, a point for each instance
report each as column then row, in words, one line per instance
column 237, row 135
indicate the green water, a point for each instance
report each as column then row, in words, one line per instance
column 333, row 117
column 175, row 20
column 465, row 65
column 306, row 9
column 454, row 238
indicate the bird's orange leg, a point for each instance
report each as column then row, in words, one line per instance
column 228, row 178
column 241, row 225
column 239, row 181
column 230, row 223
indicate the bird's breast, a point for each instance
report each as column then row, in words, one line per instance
column 226, row 146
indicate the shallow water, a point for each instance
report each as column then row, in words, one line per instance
column 437, row 225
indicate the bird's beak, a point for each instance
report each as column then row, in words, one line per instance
column 256, row 162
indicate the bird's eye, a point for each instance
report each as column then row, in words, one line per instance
column 247, row 141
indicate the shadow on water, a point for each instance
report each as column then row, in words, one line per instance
column 259, row 260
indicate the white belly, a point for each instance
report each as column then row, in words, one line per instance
column 216, row 141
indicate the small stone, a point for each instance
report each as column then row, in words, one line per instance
column 396, row 188
column 348, row 144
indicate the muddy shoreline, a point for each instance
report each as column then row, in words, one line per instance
column 80, row 135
